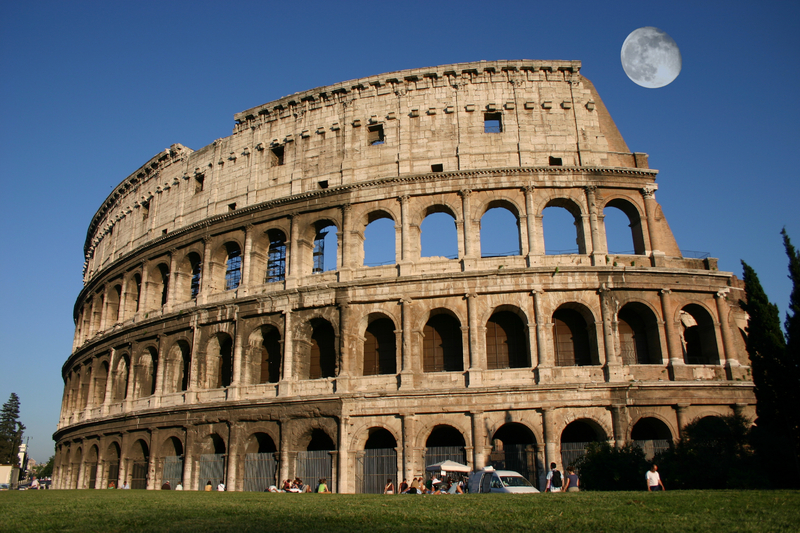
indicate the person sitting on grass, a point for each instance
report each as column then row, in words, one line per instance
column 323, row 487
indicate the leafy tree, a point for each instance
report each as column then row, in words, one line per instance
column 607, row 468
column 46, row 470
column 10, row 431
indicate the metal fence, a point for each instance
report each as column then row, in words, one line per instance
column 571, row 452
column 651, row 448
column 173, row 470
column 139, row 475
column 113, row 473
column 374, row 468
column 260, row 471
column 91, row 473
column 315, row 465
column 211, row 468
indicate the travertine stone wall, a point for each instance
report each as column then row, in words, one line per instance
column 172, row 361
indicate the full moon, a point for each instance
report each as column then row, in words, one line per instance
column 651, row 58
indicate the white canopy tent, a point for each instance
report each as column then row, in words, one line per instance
column 447, row 466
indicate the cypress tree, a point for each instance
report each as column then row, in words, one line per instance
column 10, row 431
column 792, row 358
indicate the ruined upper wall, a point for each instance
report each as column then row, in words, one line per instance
column 430, row 119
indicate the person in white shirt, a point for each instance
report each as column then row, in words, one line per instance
column 179, row 486
column 653, row 480
column 221, row 487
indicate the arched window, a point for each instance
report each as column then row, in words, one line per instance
column 506, row 345
column 147, row 369
column 276, row 257
column 698, row 336
column 233, row 266
column 562, row 228
column 120, row 389
column 179, row 361
column 100, row 384
column 322, row 357
column 196, row 264
column 623, row 228
column 270, row 356
column 442, row 347
column 379, row 348
column 500, row 235
column 572, row 346
column 137, row 280
column 164, row 272
column 638, row 335
column 379, row 240
column 438, row 234
column 226, row 362
column 216, row 369
column 326, row 246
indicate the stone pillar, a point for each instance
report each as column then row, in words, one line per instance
column 233, row 479
column 131, row 377
column 161, row 370
column 477, row 357
column 236, row 378
column 598, row 246
column 152, row 482
column 551, row 454
column 123, row 297
column 406, row 262
column 650, row 209
column 346, row 353
column 680, row 412
column 343, row 477
column 346, row 243
column 728, row 357
column 172, row 290
column 293, row 254
column 195, row 380
column 409, row 368
column 530, row 219
column 287, row 373
column 286, row 456
column 112, row 364
column 205, row 272
column 188, row 459
column 613, row 363
column 545, row 361
column 619, row 419
column 478, row 439
column 247, row 258
column 469, row 240
column 104, row 310
column 671, row 329
column 90, row 391
column 409, row 434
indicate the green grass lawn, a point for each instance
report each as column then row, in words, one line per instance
column 134, row 510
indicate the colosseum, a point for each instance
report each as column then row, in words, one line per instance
column 233, row 328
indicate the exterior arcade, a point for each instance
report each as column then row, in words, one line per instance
column 231, row 327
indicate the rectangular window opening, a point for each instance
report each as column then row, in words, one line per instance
column 277, row 156
column 437, row 168
column 492, row 123
column 145, row 210
column 555, row 161
column 232, row 207
column 323, row 184
column 375, row 134
column 198, row 183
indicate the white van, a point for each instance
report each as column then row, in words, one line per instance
column 500, row 481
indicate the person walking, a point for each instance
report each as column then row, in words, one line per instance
column 554, row 480
column 573, row 483
column 653, row 479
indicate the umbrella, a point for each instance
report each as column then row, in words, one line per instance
column 447, row 466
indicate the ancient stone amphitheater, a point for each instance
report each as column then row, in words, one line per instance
column 232, row 327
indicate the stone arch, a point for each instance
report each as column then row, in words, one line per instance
column 132, row 296
column 119, row 389
column 651, row 427
column 380, row 345
column 576, row 435
column 113, row 301
column 442, row 342
column 146, row 370
column 379, row 238
column 635, row 236
column 324, row 233
column 500, row 218
column 77, row 465
column 264, row 355
column 574, row 335
column 576, row 210
column 362, row 433
column 178, row 367
column 698, row 335
column 260, row 442
column 100, row 381
column 444, row 242
column 316, row 438
column 139, row 456
column 514, row 447
column 217, row 368
column 317, row 350
column 188, row 278
column 507, row 342
column 276, row 250
column 639, row 334
column 157, row 284
column 112, row 458
column 90, row 467
column 445, row 442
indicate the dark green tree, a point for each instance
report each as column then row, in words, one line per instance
column 792, row 357
column 46, row 470
column 607, row 468
column 10, row 431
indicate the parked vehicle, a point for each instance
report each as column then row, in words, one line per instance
column 499, row 481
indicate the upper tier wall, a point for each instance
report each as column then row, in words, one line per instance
column 429, row 119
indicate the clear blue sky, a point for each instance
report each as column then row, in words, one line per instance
column 89, row 91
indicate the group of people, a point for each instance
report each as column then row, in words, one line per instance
column 297, row 486
column 432, row 486
column 113, row 485
column 179, row 486
column 571, row 482
column 210, row 487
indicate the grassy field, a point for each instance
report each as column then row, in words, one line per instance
column 133, row 511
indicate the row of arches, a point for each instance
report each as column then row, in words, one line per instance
column 381, row 237
column 255, row 460
column 441, row 344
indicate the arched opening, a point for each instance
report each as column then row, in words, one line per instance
column 172, row 457
column 270, row 359
column 638, row 335
column 112, row 305
column 379, row 240
column 276, row 256
column 83, row 391
column 100, row 380
column 179, row 363
column 260, row 465
column 500, row 234
column 211, row 464
column 219, row 361
column 571, row 337
column 652, row 436
column 137, row 294
column 576, row 436
column 163, row 271
column 77, row 463
column 233, row 266
column 326, row 246
column 506, row 341
column 112, row 460
column 378, row 464
column 120, row 388
column 442, row 349
column 623, row 228
column 562, row 228
column 147, row 368
column 380, row 356
column 188, row 277
column 438, row 234
column 90, row 468
column 443, row 444
column 139, row 456
column 322, row 355
column 316, row 462
column 514, row 448
column 698, row 336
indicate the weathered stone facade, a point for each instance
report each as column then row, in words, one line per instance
column 208, row 331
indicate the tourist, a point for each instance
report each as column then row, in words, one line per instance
column 179, row 486
column 553, row 479
column 403, row 486
column 389, row 488
column 126, row 486
column 653, row 480
column 166, row 486
column 573, row 483
column 209, row 486
column 221, row 487
column 323, row 487
column 112, row 485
